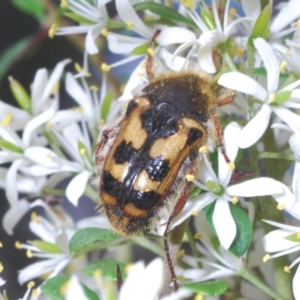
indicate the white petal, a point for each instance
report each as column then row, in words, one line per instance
column 11, row 179
column 77, row 186
column 92, row 34
column 192, row 205
column 211, row 38
column 10, row 135
column 38, row 86
column 43, row 229
column 251, row 8
column 286, row 198
column 39, row 268
column 122, row 44
column 255, row 187
column 42, row 156
column 6, row 157
column 289, row 117
column 296, row 181
column 175, row 63
column 36, row 122
column 276, row 241
column 134, row 82
column 296, row 284
column 205, row 59
column 143, row 283
column 79, row 95
column 2, row 282
column 54, row 78
column 231, row 138
column 244, row 84
column 270, row 62
column 75, row 290
column 175, row 35
column 255, row 129
column 286, row 16
column 127, row 13
column 224, row 223
column 14, row 215
column 63, row 118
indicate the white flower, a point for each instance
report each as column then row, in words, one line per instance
column 94, row 18
column 77, row 144
column 44, row 102
column 57, row 231
column 211, row 36
column 284, row 241
column 218, row 190
column 145, row 282
column 288, row 12
column 294, row 56
column 216, row 262
column 75, row 290
column 256, row 127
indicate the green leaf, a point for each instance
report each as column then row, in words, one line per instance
column 164, row 11
column 73, row 16
column 89, row 293
column 243, row 237
column 86, row 236
column 52, row 287
column 262, row 72
column 107, row 269
column 106, row 105
column 210, row 288
column 35, row 8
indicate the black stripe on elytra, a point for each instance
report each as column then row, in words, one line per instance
column 110, row 185
column 157, row 168
column 144, row 200
column 130, row 108
column 193, row 135
column 124, row 153
column 125, row 195
column 161, row 120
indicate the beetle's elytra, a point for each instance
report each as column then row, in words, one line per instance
column 142, row 161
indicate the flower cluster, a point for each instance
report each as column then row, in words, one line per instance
column 249, row 50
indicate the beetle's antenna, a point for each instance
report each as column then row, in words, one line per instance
column 150, row 52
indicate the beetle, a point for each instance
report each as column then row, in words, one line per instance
column 142, row 161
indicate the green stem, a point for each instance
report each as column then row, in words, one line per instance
column 53, row 192
column 192, row 242
column 145, row 243
column 255, row 281
column 275, row 155
column 223, row 50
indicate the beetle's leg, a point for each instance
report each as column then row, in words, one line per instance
column 219, row 135
column 226, row 98
column 177, row 208
column 99, row 153
column 149, row 59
